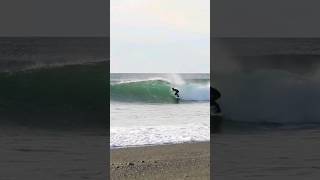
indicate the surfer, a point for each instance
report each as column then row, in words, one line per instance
column 215, row 94
column 176, row 92
column 215, row 116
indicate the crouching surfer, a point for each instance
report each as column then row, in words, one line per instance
column 215, row 109
column 176, row 93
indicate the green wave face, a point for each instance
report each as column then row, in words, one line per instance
column 73, row 94
column 153, row 91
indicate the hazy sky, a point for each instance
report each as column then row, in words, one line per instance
column 265, row 18
column 54, row 18
column 160, row 36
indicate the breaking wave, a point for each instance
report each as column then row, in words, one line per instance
column 158, row 91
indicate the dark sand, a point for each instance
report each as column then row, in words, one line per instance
column 277, row 155
column 52, row 155
column 181, row 161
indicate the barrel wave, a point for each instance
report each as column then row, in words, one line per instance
column 158, row 90
column 62, row 96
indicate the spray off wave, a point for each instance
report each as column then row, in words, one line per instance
column 267, row 95
column 158, row 90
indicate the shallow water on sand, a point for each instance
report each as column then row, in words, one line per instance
column 285, row 154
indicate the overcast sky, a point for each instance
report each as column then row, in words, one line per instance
column 266, row 18
column 54, row 18
column 160, row 36
column 231, row 18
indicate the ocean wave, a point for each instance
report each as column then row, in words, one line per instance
column 158, row 90
column 71, row 95
column 272, row 96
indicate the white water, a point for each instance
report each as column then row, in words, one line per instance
column 195, row 92
column 190, row 91
column 142, row 123
column 134, row 124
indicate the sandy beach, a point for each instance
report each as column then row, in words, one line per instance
column 179, row 161
column 27, row 153
column 277, row 155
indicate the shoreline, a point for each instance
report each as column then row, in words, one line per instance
column 152, row 145
column 173, row 161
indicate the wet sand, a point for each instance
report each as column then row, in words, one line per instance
column 46, row 154
column 276, row 155
column 180, row 161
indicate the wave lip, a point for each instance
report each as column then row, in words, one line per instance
column 157, row 90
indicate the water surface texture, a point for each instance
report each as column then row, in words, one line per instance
column 145, row 111
column 270, row 101
column 53, row 110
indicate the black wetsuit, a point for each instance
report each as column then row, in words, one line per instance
column 216, row 121
column 215, row 95
column 176, row 92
